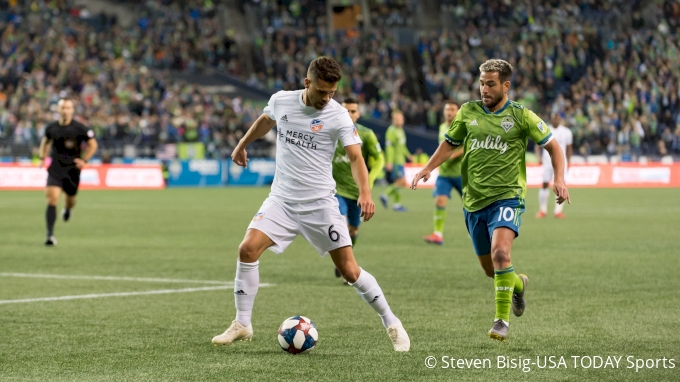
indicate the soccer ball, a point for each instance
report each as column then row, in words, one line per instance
column 298, row 335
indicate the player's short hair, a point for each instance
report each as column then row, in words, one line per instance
column 350, row 101
column 324, row 68
column 502, row 67
column 449, row 102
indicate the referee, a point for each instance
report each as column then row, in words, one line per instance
column 68, row 139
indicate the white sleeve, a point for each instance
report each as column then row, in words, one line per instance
column 348, row 133
column 270, row 108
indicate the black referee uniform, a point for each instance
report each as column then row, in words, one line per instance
column 67, row 144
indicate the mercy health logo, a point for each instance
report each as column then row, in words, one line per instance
column 489, row 144
column 316, row 125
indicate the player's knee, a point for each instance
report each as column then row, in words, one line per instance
column 248, row 252
column 351, row 274
column 500, row 255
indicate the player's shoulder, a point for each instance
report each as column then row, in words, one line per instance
column 283, row 95
column 471, row 106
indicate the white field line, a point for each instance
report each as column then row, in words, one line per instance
column 222, row 285
column 120, row 294
column 114, row 278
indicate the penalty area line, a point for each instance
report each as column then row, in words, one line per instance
column 121, row 294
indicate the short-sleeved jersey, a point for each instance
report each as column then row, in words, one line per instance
column 495, row 147
column 452, row 167
column 396, row 151
column 67, row 141
column 564, row 137
column 306, row 142
column 342, row 168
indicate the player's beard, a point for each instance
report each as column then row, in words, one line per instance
column 494, row 101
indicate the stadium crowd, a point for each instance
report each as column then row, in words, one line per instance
column 617, row 88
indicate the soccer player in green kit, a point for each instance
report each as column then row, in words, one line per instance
column 449, row 178
column 494, row 133
column 397, row 153
column 347, row 191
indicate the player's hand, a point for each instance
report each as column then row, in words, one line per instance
column 423, row 174
column 367, row 206
column 560, row 190
column 240, row 157
column 79, row 163
column 388, row 167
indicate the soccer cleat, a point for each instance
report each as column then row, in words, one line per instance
column 383, row 199
column 517, row 303
column 65, row 214
column 540, row 215
column 236, row 332
column 399, row 338
column 499, row 331
column 399, row 208
column 560, row 216
column 51, row 240
column 434, row 239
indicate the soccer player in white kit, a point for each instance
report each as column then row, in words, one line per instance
column 302, row 198
column 564, row 138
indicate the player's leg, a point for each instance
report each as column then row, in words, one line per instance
column 272, row 228
column 71, row 190
column 476, row 224
column 544, row 192
column 52, row 193
column 504, row 221
column 326, row 230
column 368, row 289
column 343, row 207
column 442, row 193
column 400, row 182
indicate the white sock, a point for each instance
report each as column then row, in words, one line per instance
column 543, row 195
column 558, row 208
column 369, row 290
column 245, row 289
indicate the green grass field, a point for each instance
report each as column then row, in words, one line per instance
column 603, row 283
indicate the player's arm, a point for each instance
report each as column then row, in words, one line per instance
column 376, row 158
column 452, row 140
column 406, row 152
column 258, row 130
column 539, row 154
column 360, row 175
column 44, row 150
column 92, row 146
column 457, row 153
column 569, row 152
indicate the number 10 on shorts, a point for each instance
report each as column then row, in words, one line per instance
column 507, row 214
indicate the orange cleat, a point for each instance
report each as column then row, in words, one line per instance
column 560, row 216
column 434, row 239
column 540, row 215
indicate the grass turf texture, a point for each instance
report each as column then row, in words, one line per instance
column 603, row 283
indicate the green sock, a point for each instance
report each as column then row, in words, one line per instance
column 390, row 190
column 505, row 281
column 519, row 285
column 396, row 195
column 439, row 217
column 354, row 240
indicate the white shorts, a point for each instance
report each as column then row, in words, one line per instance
column 319, row 222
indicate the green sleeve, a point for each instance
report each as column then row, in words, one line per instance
column 375, row 157
column 405, row 148
column 377, row 165
column 389, row 146
column 458, row 130
column 535, row 128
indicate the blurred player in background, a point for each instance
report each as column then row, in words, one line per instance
column 346, row 187
column 396, row 154
column 449, row 178
column 564, row 138
column 494, row 132
column 66, row 137
column 302, row 198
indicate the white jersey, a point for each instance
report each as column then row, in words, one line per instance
column 307, row 138
column 564, row 138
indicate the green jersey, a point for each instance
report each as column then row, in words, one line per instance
column 342, row 168
column 395, row 146
column 495, row 148
column 451, row 168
